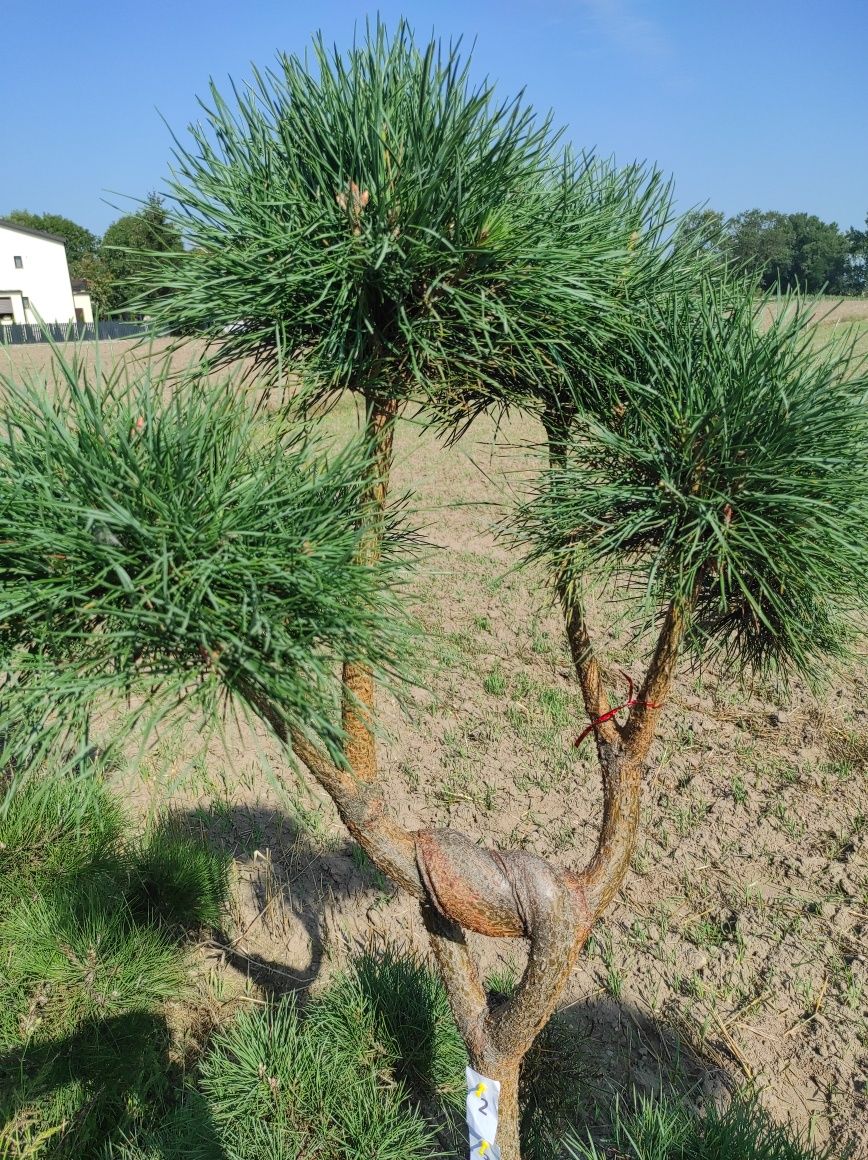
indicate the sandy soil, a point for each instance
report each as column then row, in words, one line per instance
column 739, row 949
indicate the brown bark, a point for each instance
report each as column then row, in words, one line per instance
column 622, row 762
column 584, row 660
column 557, row 923
column 585, row 663
column 508, row 894
column 358, row 702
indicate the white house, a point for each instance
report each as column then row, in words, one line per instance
column 34, row 279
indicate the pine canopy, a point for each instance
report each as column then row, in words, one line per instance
column 378, row 221
column 179, row 547
column 726, row 471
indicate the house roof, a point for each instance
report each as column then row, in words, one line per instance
column 6, row 225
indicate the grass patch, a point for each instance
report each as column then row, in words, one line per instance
column 494, row 682
column 667, row 1130
column 275, row 1087
column 91, row 952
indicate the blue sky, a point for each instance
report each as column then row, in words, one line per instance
column 747, row 104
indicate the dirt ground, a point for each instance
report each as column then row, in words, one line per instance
column 738, row 952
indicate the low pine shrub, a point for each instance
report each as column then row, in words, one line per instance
column 78, row 956
column 178, row 881
column 90, row 952
column 276, row 1086
column 65, row 1096
column 185, row 1131
column 54, row 830
column 83, row 1043
column 391, row 1007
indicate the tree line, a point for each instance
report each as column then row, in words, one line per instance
column 111, row 263
column 796, row 250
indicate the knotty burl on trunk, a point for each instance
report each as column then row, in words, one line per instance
column 503, row 894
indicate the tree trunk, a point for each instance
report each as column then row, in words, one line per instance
column 462, row 886
column 554, row 917
column 358, row 705
column 509, row 1113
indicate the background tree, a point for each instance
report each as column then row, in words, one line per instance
column 819, row 254
column 128, row 251
column 762, row 242
column 701, row 231
column 382, row 227
column 81, row 244
column 798, row 250
column 856, row 275
column 100, row 283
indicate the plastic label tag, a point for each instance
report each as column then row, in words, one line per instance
column 483, row 1097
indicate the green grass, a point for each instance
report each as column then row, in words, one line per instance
column 667, row 1130
column 91, row 953
column 495, row 682
column 276, row 1086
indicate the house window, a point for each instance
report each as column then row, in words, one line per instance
column 25, row 302
column 18, row 262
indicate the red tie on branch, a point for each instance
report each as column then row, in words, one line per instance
column 628, row 704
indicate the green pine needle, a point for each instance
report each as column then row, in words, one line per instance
column 728, row 472
column 377, row 221
column 173, row 547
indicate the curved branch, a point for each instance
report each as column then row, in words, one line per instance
column 464, row 988
column 622, row 765
column 586, row 665
column 518, row 894
column 558, row 922
column 638, row 733
column 491, row 892
column 363, row 811
column 557, row 426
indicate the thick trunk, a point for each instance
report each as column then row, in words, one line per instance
column 556, row 921
column 509, row 894
column 509, row 1112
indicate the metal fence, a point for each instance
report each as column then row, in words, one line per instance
column 19, row 332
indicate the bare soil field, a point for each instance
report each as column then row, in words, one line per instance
column 37, row 358
column 738, row 952
column 842, row 319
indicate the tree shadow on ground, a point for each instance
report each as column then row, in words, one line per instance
column 103, row 1082
column 611, row 1049
column 290, row 883
column 588, row 1054
column 591, row 1052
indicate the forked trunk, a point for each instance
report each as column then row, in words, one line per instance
column 506, row 894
